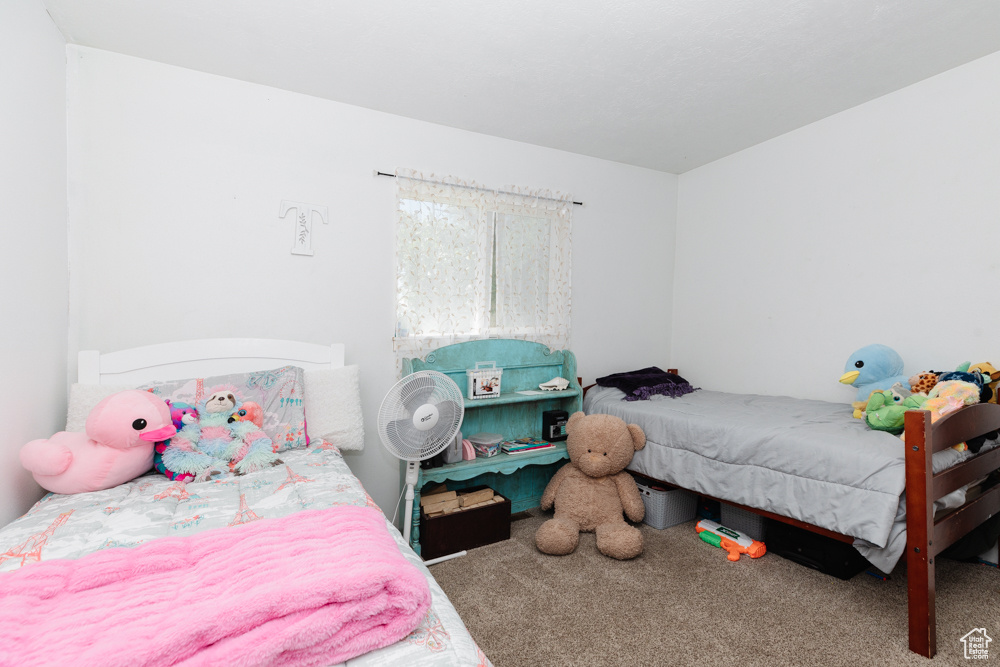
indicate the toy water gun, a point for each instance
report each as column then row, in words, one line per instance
column 733, row 541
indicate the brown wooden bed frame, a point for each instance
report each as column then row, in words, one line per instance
column 927, row 536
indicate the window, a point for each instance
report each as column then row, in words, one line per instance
column 478, row 263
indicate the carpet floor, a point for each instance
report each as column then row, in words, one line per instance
column 683, row 603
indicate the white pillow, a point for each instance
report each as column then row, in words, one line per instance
column 83, row 398
column 333, row 407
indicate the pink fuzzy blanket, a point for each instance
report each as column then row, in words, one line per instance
column 313, row 588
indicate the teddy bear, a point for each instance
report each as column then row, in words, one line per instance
column 175, row 458
column 591, row 492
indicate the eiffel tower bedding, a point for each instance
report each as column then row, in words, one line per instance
column 149, row 507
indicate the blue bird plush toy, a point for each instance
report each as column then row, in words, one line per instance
column 874, row 368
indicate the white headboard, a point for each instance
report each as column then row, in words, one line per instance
column 200, row 358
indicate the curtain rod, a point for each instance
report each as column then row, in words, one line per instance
column 472, row 187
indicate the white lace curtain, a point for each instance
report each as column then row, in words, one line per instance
column 473, row 263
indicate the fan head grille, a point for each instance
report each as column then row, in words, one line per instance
column 420, row 415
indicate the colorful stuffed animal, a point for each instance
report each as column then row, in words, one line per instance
column 950, row 395
column 223, row 436
column 874, row 368
column 991, row 376
column 973, row 377
column 946, row 397
column 885, row 409
column 250, row 448
column 116, row 447
column 899, row 392
column 922, row 383
column 176, row 458
column 214, row 412
column 250, row 411
column 181, row 414
column 591, row 492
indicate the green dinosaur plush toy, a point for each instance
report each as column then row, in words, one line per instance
column 885, row 409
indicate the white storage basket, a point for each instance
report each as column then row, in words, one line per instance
column 484, row 380
column 667, row 508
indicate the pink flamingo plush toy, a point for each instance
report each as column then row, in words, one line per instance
column 117, row 445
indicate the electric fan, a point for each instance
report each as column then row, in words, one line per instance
column 419, row 417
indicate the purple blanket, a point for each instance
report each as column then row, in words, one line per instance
column 641, row 384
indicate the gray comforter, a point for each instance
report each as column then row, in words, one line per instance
column 804, row 459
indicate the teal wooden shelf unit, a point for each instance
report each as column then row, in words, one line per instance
column 521, row 478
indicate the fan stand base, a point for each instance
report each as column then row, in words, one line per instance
column 411, row 481
column 434, row 561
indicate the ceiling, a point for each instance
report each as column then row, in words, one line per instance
column 664, row 84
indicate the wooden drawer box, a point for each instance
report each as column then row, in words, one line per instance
column 468, row 529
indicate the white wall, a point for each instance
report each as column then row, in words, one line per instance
column 175, row 183
column 879, row 224
column 33, row 275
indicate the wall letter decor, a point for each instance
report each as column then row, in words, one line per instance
column 302, row 244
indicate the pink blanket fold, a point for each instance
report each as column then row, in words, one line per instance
column 313, row 588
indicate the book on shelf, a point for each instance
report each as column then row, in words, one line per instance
column 522, row 445
column 539, row 448
column 522, row 442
